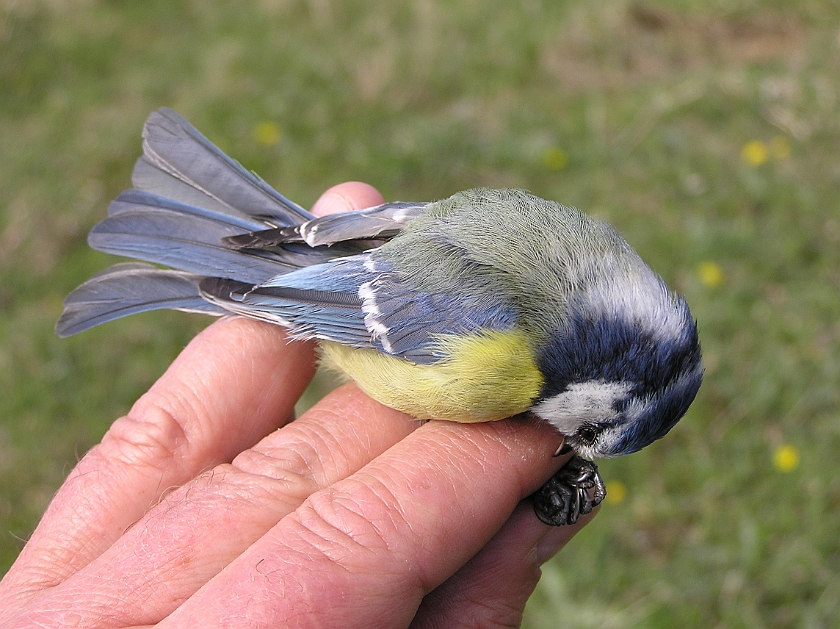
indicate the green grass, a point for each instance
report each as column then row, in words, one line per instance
column 636, row 112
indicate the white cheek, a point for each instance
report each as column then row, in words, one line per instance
column 582, row 403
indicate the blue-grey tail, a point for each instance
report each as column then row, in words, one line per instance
column 129, row 288
column 178, row 162
column 188, row 197
column 220, row 231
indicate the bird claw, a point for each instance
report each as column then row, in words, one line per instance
column 565, row 497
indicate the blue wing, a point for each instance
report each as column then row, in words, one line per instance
column 382, row 222
column 364, row 302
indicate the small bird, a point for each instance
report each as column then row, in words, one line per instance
column 485, row 305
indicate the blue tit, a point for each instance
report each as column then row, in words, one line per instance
column 482, row 306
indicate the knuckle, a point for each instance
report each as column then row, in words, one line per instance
column 154, row 439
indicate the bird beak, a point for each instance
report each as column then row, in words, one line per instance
column 564, row 448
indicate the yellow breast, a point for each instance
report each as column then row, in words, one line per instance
column 482, row 377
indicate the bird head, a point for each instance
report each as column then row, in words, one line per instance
column 621, row 370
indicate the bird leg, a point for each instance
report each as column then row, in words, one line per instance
column 565, row 497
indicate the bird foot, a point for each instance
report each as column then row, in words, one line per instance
column 565, row 497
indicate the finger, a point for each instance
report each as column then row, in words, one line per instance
column 199, row 528
column 492, row 588
column 365, row 551
column 234, row 382
column 352, row 195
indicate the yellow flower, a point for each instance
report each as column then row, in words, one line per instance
column 555, row 158
column 780, row 147
column 616, row 492
column 754, row 152
column 710, row 274
column 786, row 458
column 267, row 133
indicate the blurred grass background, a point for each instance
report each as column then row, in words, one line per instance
column 706, row 130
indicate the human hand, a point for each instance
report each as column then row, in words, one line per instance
column 195, row 511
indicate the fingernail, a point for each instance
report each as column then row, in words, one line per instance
column 564, row 448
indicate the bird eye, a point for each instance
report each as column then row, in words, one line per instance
column 587, row 434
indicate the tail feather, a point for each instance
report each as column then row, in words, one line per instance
column 130, row 199
column 190, row 199
column 130, row 288
column 148, row 177
column 176, row 152
column 148, row 227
